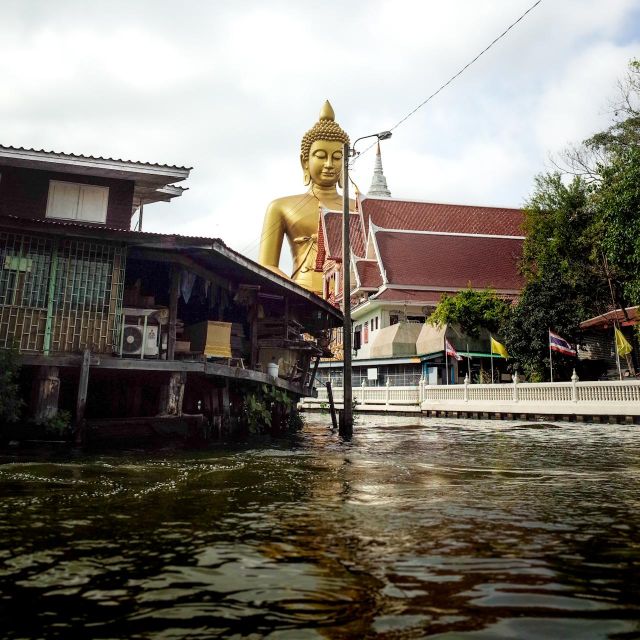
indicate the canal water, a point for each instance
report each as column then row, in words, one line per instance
column 443, row 529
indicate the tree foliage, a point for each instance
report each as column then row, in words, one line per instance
column 617, row 202
column 472, row 310
column 545, row 304
column 10, row 402
column 562, row 242
column 581, row 255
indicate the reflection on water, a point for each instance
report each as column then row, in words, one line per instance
column 444, row 529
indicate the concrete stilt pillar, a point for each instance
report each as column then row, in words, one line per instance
column 226, row 408
column 172, row 395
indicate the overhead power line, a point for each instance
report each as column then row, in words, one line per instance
column 460, row 72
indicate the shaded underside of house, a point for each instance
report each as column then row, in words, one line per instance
column 158, row 314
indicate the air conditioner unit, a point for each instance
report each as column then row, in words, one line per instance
column 135, row 336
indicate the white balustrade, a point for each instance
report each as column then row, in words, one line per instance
column 621, row 397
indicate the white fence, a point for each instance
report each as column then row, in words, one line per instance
column 575, row 397
column 387, row 395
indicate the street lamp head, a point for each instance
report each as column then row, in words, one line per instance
column 384, row 135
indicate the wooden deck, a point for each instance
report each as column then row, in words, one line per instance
column 213, row 369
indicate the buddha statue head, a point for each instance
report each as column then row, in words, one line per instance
column 321, row 150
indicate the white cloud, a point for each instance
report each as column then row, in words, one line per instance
column 576, row 104
column 230, row 87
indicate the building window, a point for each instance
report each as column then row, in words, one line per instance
column 24, row 271
column 82, row 202
column 365, row 334
column 393, row 319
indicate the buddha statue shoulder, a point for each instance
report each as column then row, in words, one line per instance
column 297, row 217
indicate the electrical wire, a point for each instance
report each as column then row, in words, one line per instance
column 457, row 74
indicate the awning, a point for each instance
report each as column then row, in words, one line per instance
column 464, row 354
column 369, row 363
column 606, row 320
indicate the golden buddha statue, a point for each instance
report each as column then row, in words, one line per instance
column 297, row 217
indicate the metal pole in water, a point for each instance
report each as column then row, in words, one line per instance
column 332, row 406
column 346, row 424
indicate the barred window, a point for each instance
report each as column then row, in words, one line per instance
column 24, row 270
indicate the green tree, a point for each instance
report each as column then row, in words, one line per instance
column 562, row 242
column 472, row 310
column 617, row 202
column 545, row 304
column 581, row 255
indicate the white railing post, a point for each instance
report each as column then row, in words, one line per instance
column 388, row 392
column 515, row 387
column 466, row 388
column 574, row 386
column 421, row 390
column 363, row 392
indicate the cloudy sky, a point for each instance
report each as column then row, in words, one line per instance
column 229, row 87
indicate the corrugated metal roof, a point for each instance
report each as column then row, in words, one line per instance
column 48, row 222
column 79, row 156
column 171, row 241
column 607, row 319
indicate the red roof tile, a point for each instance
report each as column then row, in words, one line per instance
column 449, row 218
column 424, row 259
column 369, row 273
column 430, row 298
column 333, row 237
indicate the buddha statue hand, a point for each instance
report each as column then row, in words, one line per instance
column 312, row 244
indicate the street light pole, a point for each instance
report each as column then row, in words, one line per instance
column 346, row 424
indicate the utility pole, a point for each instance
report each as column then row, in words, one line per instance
column 346, row 423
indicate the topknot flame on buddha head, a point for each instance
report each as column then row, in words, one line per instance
column 325, row 129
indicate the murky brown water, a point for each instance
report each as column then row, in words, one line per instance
column 447, row 529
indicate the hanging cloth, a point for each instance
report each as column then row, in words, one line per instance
column 187, row 280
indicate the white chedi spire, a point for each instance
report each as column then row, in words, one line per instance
column 379, row 182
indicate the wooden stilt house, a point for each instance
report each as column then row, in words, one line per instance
column 115, row 323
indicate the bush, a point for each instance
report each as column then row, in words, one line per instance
column 271, row 410
column 59, row 426
column 11, row 403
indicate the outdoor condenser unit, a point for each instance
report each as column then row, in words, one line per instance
column 135, row 335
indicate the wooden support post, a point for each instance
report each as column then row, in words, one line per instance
column 226, row 406
column 332, row 406
column 286, row 318
column 314, row 371
column 253, row 360
column 81, row 404
column 172, row 394
column 173, row 311
column 46, row 393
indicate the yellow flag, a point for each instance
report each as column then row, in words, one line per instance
column 622, row 345
column 498, row 348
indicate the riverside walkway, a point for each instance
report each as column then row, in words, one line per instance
column 611, row 401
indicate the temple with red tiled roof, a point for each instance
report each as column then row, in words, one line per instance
column 405, row 255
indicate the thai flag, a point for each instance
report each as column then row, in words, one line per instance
column 558, row 343
column 451, row 351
